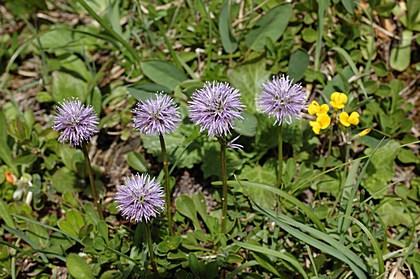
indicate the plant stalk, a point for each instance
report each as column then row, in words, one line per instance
column 224, row 183
column 167, row 187
column 150, row 245
column 280, row 160
column 92, row 182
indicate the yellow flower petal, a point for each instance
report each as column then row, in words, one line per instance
column 344, row 117
column 324, row 109
column 354, row 118
column 315, row 108
column 338, row 100
column 315, row 127
column 324, row 120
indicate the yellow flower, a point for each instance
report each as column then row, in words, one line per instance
column 315, row 108
column 321, row 122
column 364, row 132
column 338, row 100
column 347, row 120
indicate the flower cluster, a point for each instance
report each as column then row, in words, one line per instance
column 282, row 99
column 76, row 122
column 140, row 198
column 215, row 107
column 156, row 116
column 323, row 120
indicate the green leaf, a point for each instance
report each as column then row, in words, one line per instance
column 381, row 169
column 6, row 155
column 185, row 206
column 229, row 42
column 5, row 215
column 349, row 5
column 400, row 55
column 248, row 126
column 248, row 79
column 413, row 11
column 78, row 268
column 66, row 86
column 3, row 122
column 271, row 25
column 137, row 161
column 145, row 91
column 393, row 214
column 65, row 180
column 309, row 35
column 380, row 69
column 163, row 73
column 298, row 63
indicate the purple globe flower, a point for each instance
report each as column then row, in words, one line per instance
column 76, row 122
column 140, row 198
column 281, row 99
column 215, row 107
column 156, row 116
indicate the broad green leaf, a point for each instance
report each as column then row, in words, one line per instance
column 163, row 73
column 298, row 63
column 393, row 214
column 145, row 91
column 5, row 215
column 38, row 234
column 6, row 155
column 248, row 79
column 309, row 35
column 211, row 161
column 413, row 14
column 185, row 206
column 65, row 180
column 380, row 69
column 78, row 268
column 400, row 55
column 137, row 161
column 66, row 86
column 271, row 25
column 247, row 126
column 225, row 29
column 381, row 169
column 349, row 5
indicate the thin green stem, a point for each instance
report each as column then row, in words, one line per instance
column 280, row 160
column 224, row 182
column 329, row 149
column 150, row 245
column 167, row 187
column 97, row 201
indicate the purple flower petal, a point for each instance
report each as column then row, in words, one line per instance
column 76, row 122
column 140, row 198
column 215, row 107
column 156, row 116
column 281, row 99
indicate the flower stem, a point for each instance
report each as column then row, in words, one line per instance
column 280, row 162
column 167, row 187
column 329, row 149
column 224, row 182
column 150, row 245
column 92, row 183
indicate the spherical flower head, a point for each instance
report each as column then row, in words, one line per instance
column 215, row 107
column 347, row 120
column 282, row 99
column 140, row 198
column 315, row 108
column 156, row 116
column 338, row 100
column 321, row 122
column 76, row 122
